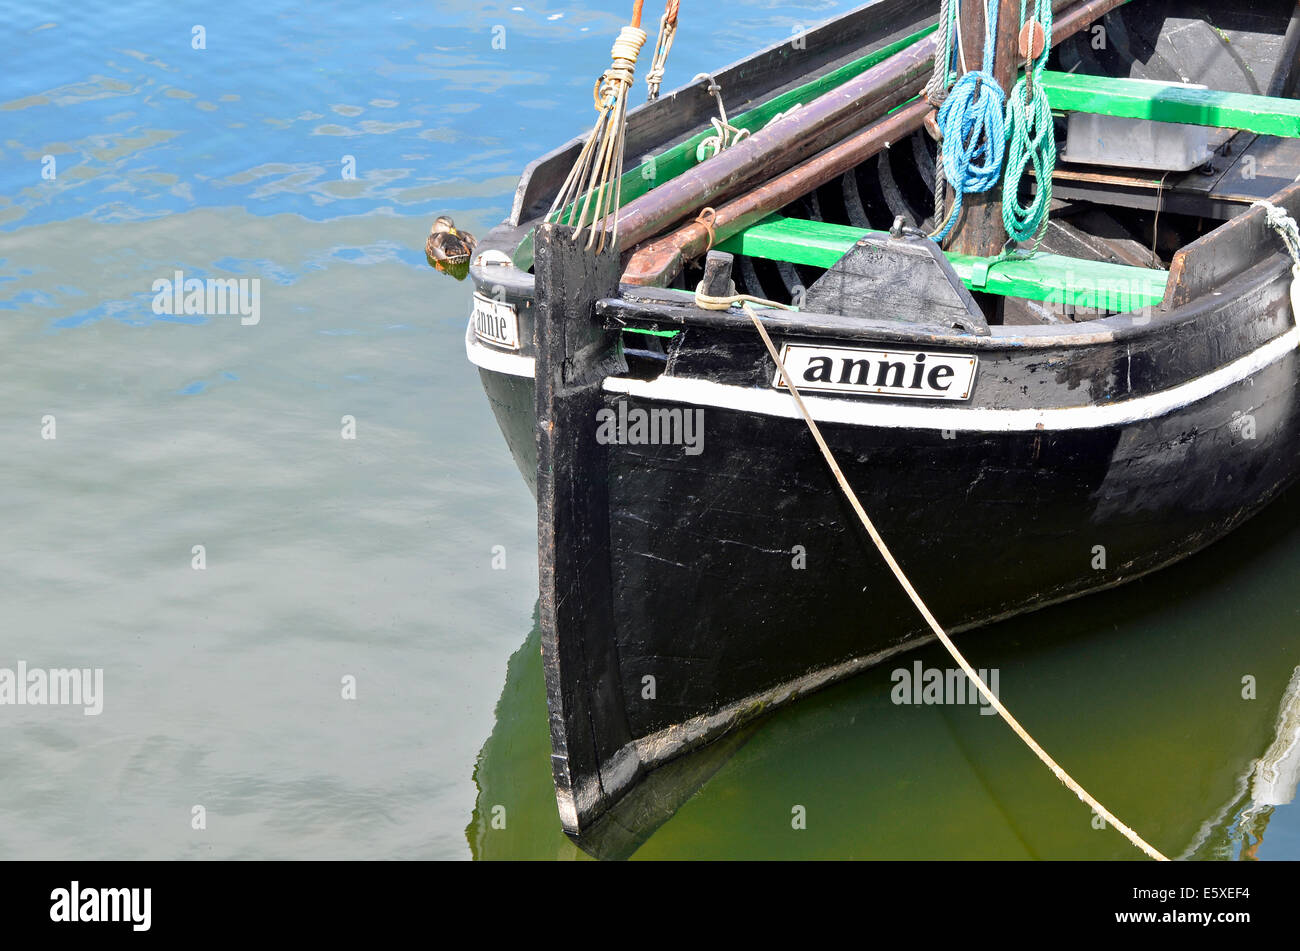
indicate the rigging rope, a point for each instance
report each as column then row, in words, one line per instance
column 597, row 173
column 659, row 64
column 1031, row 134
column 972, row 121
column 727, row 134
column 936, row 90
column 934, row 625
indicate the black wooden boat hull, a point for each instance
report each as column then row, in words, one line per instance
column 686, row 589
column 741, row 580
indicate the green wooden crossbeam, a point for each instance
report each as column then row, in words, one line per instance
column 1045, row 277
column 1172, row 102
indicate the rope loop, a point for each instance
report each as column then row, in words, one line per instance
column 1281, row 221
column 972, row 123
column 725, row 134
column 659, row 63
column 708, row 219
column 705, row 302
column 1032, row 143
column 1031, row 136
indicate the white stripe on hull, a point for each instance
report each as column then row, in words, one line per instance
column 869, row 412
column 498, row 361
column 866, row 412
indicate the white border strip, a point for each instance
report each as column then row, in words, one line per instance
column 869, row 412
column 498, row 361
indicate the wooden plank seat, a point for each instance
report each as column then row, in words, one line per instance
column 1172, row 102
column 1045, row 277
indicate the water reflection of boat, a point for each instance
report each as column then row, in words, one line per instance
column 1156, row 719
column 511, row 767
column 1271, row 782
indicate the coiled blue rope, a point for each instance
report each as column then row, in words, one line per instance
column 972, row 121
column 1032, row 134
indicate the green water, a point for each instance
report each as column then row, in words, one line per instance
column 1137, row 692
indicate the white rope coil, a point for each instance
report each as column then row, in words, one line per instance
column 628, row 44
column 627, row 48
column 1280, row 221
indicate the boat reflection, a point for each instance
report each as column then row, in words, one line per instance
column 1141, row 692
column 1270, row 783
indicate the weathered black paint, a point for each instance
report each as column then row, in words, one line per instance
column 574, row 355
column 905, row 278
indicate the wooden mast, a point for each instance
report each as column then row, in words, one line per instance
column 979, row 231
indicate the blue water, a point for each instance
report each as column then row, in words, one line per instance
column 127, row 154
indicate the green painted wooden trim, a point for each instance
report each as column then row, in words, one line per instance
column 672, row 162
column 1045, row 277
column 650, row 333
column 1172, row 102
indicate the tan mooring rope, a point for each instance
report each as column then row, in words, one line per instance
column 975, row 678
column 705, row 302
column 706, row 220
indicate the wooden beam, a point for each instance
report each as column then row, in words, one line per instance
column 980, row 230
column 1172, row 102
column 1045, row 277
column 1226, row 252
column 660, row 261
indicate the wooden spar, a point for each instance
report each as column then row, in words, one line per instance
column 797, row 136
column 980, row 231
column 809, row 129
column 659, row 262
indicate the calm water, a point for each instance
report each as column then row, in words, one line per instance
column 371, row 558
